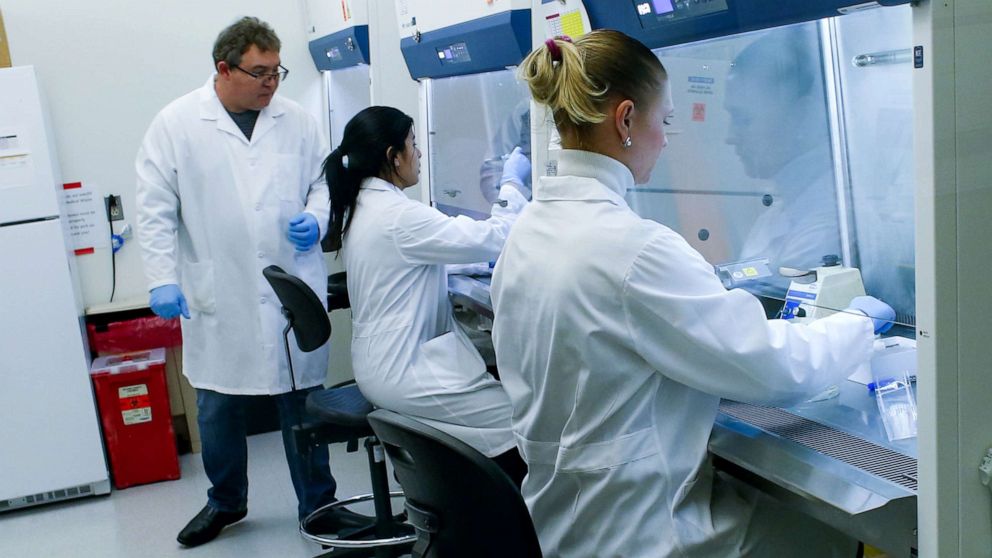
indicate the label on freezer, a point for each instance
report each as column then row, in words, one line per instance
column 15, row 161
column 16, row 170
column 9, row 142
column 136, row 405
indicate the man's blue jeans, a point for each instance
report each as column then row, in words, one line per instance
column 223, row 434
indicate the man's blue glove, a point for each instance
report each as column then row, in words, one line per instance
column 303, row 231
column 882, row 315
column 516, row 171
column 168, row 302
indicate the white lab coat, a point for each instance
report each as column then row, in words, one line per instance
column 213, row 211
column 408, row 352
column 615, row 342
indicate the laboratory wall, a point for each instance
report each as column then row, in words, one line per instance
column 107, row 67
column 391, row 82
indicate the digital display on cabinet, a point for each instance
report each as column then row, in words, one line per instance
column 454, row 54
column 656, row 13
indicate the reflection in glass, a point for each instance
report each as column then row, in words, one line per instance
column 474, row 121
column 763, row 147
column 749, row 172
column 779, row 130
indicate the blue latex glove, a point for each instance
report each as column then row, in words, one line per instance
column 168, row 302
column 882, row 315
column 303, row 231
column 516, row 171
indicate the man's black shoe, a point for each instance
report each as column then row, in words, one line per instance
column 207, row 525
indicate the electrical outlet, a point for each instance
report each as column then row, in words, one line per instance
column 115, row 212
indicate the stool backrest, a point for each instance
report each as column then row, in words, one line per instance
column 460, row 501
column 307, row 314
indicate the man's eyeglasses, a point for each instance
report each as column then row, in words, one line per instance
column 279, row 75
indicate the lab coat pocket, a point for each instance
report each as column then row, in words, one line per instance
column 452, row 360
column 682, row 494
column 609, row 454
column 289, row 186
column 198, row 286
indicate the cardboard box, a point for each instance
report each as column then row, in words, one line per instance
column 182, row 400
column 182, row 395
column 4, row 46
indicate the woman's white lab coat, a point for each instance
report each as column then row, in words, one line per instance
column 615, row 342
column 213, row 211
column 408, row 352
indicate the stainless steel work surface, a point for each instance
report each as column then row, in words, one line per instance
column 830, row 459
column 471, row 292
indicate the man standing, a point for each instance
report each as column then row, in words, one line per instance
column 229, row 182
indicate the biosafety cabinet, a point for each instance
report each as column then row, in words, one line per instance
column 338, row 35
column 474, row 109
column 856, row 132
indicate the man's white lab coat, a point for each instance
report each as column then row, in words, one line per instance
column 213, row 211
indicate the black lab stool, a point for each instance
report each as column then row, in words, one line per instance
column 341, row 416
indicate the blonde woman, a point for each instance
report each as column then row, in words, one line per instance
column 615, row 341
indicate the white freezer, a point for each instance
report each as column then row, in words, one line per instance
column 49, row 435
column 50, row 443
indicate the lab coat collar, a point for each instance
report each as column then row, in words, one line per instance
column 604, row 170
column 212, row 109
column 376, row 183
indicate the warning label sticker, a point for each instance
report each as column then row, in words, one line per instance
column 136, row 405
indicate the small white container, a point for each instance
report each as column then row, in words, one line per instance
column 896, row 405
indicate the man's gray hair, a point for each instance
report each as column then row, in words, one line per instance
column 236, row 39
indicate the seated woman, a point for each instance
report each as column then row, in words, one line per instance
column 615, row 339
column 408, row 352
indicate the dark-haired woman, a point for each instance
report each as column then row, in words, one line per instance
column 408, row 352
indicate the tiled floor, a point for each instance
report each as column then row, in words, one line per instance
column 143, row 521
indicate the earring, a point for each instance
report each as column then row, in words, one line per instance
column 627, row 143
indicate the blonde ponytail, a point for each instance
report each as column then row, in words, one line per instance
column 575, row 80
column 561, row 83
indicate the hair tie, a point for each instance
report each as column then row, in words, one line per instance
column 553, row 47
column 344, row 157
column 554, row 50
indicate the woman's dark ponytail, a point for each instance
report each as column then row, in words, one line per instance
column 344, row 195
column 362, row 154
